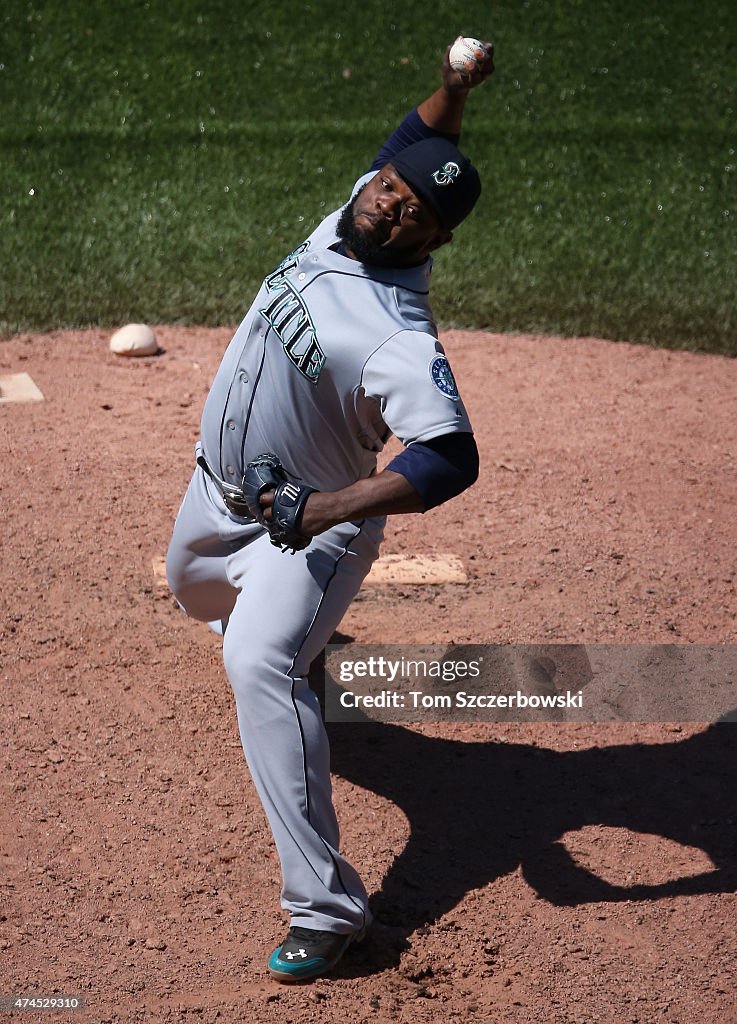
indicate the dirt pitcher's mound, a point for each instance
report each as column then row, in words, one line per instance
column 521, row 873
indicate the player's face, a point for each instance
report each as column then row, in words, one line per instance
column 388, row 224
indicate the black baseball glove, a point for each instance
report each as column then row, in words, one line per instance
column 266, row 473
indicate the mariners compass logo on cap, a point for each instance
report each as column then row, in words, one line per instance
column 446, row 174
column 429, row 167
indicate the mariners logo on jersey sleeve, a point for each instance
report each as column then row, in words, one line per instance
column 443, row 379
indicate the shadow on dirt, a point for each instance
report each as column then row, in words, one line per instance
column 478, row 811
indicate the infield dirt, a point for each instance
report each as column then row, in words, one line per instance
column 556, row 874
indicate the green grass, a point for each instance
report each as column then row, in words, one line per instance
column 158, row 159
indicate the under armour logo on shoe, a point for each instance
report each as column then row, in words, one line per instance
column 300, row 952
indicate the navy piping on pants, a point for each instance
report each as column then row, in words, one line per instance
column 301, row 733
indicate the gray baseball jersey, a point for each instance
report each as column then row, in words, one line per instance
column 323, row 368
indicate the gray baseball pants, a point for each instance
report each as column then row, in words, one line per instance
column 279, row 611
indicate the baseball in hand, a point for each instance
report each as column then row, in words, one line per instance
column 466, row 54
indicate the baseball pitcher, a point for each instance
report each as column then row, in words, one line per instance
column 284, row 514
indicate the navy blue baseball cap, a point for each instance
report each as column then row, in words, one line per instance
column 439, row 173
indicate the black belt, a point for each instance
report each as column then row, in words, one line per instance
column 233, row 497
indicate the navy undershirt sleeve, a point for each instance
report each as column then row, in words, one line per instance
column 439, row 469
column 412, row 129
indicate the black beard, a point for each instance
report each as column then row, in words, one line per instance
column 366, row 250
